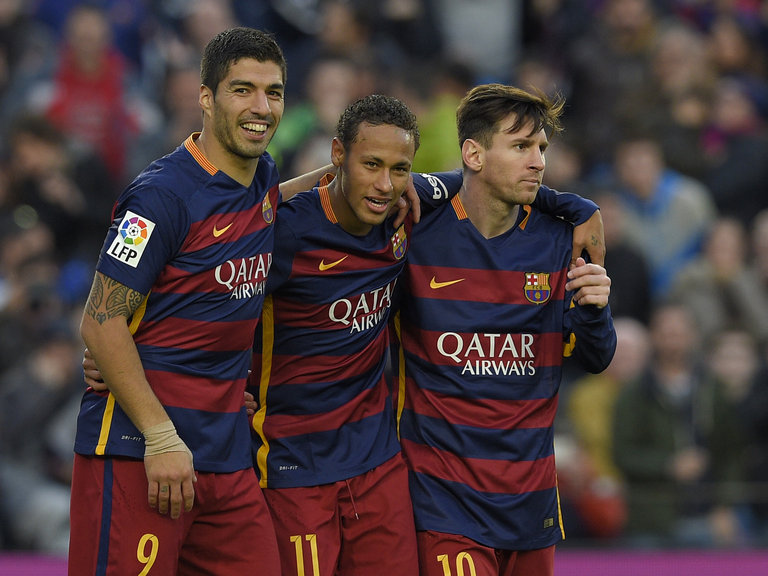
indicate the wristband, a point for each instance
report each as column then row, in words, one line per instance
column 163, row 438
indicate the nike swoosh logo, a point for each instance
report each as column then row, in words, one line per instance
column 434, row 284
column 217, row 232
column 323, row 266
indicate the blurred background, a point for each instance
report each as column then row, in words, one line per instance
column 666, row 128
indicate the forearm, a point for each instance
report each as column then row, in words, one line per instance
column 305, row 181
column 115, row 353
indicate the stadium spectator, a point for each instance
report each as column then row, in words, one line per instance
column 606, row 66
column 673, row 433
column 88, row 93
column 734, row 363
column 66, row 187
column 667, row 213
column 721, row 287
column 735, row 145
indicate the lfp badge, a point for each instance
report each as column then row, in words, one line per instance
column 133, row 233
column 537, row 289
column 399, row 242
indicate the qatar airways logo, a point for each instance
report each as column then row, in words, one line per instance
column 244, row 277
column 364, row 311
column 489, row 354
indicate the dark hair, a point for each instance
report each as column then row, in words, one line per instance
column 231, row 45
column 484, row 106
column 376, row 109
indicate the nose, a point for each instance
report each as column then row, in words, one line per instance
column 384, row 182
column 260, row 103
column 537, row 160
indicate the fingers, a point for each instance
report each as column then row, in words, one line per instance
column 167, row 498
column 171, row 480
column 402, row 208
column 95, row 382
column 415, row 203
column 408, row 202
column 153, row 494
column 590, row 283
column 175, row 501
column 91, row 373
column 250, row 404
column 165, row 494
column 587, row 296
column 188, row 493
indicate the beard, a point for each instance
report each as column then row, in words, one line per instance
column 227, row 135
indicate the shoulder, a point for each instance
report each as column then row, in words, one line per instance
column 301, row 212
column 266, row 170
column 538, row 220
column 175, row 174
column 302, row 203
column 438, row 187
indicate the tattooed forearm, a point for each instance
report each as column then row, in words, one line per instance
column 110, row 299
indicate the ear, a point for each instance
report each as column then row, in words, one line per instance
column 337, row 152
column 205, row 99
column 472, row 154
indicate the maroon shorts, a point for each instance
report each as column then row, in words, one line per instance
column 443, row 554
column 363, row 525
column 114, row 532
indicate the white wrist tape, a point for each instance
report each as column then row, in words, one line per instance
column 163, row 438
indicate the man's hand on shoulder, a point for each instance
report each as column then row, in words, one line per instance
column 408, row 202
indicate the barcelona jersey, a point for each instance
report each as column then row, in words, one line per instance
column 321, row 350
column 199, row 245
column 484, row 325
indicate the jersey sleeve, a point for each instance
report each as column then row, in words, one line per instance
column 592, row 335
column 436, row 189
column 566, row 205
column 147, row 230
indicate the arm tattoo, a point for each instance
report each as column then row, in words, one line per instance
column 110, row 299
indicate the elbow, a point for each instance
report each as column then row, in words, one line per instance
column 603, row 359
column 88, row 329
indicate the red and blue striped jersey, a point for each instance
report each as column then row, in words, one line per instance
column 199, row 245
column 484, row 325
column 321, row 350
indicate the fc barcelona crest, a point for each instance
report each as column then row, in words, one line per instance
column 399, row 242
column 537, row 289
column 267, row 211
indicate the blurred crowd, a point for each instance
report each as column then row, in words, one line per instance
column 666, row 128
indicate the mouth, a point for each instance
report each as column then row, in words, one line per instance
column 378, row 205
column 255, row 129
